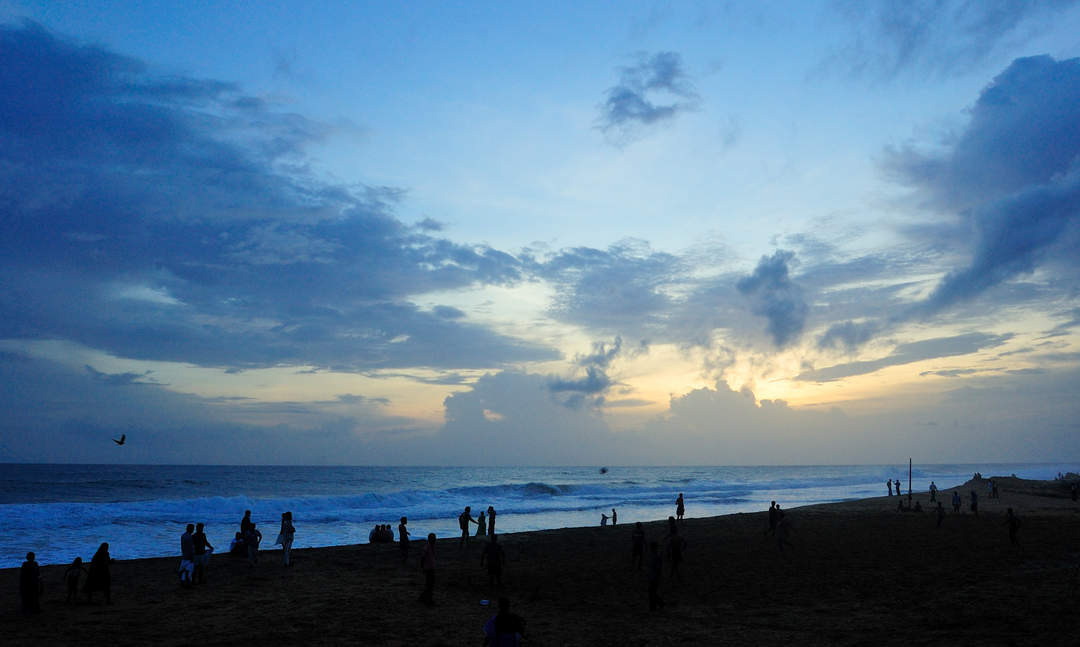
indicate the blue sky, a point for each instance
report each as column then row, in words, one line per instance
column 588, row 233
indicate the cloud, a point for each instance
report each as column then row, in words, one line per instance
column 655, row 89
column 194, row 202
column 951, row 372
column 1012, row 175
column 849, row 335
column 117, row 379
column 595, row 381
column 909, row 353
column 934, row 36
column 776, row 297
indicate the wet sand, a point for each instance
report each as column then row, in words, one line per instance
column 860, row 574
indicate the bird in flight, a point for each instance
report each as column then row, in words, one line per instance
column 123, row 437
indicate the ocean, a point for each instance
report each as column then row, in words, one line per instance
column 64, row 511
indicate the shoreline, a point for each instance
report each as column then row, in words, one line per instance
column 859, row 569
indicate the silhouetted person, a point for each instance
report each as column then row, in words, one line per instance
column 464, row 519
column 918, row 506
column 203, row 548
column 72, row 575
column 603, row 519
column 933, row 492
column 994, row 489
column 656, row 571
column 783, row 529
column 614, row 517
column 674, row 548
column 252, row 538
column 637, row 545
column 1013, row 522
column 940, row 514
column 481, row 524
column 956, row 502
column 427, row 564
column 491, row 520
column 888, row 484
column 773, row 517
column 187, row 555
column 99, row 578
column 30, row 585
column 236, row 546
column 495, row 557
column 898, row 491
column 504, row 629
column 680, row 507
column 1074, row 491
column 285, row 537
column 246, row 523
column 403, row 539
column 974, row 503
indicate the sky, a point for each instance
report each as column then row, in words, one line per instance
column 582, row 233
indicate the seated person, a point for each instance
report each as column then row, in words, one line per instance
column 237, row 548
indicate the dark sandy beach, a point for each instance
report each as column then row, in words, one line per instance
column 860, row 574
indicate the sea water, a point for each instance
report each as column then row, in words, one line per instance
column 64, row 511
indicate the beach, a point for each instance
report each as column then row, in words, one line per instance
column 859, row 572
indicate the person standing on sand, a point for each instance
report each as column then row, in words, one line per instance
column 71, row 579
column 285, row 536
column 202, row 550
column 637, row 546
column 427, row 564
column 252, row 538
column 898, row 492
column 974, row 503
column 888, row 484
column 187, row 555
column 772, row 517
column 603, row 519
column 940, row 514
column 656, row 570
column 30, row 585
column 246, row 523
column 680, row 507
column 463, row 521
column 614, row 517
column 481, row 525
column 495, row 557
column 491, row 520
column 1013, row 522
column 956, row 501
column 504, row 629
column 99, row 579
column 403, row 539
column 933, row 492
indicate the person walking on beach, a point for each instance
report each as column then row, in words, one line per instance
column 464, row 519
column 637, row 546
column 285, row 536
column 1013, row 522
column 71, row 580
column 956, row 503
column 481, row 525
column 187, row 555
column 202, row 550
column 504, row 629
column 427, row 564
column 491, row 520
column 30, row 585
column 933, row 492
column 656, row 570
column 495, row 557
column 888, row 484
column 974, row 503
column 252, row 538
column 680, row 507
column 99, row 578
column 403, row 539
column 675, row 545
column 772, row 517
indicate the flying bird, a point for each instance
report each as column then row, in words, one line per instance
column 123, row 437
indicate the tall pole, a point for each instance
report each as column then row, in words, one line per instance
column 909, row 482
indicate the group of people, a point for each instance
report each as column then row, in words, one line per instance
column 614, row 518
column 889, row 486
column 485, row 524
column 98, row 578
column 381, row 534
column 246, row 541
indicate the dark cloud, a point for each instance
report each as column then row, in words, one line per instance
column 1012, row 175
column 603, row 354
column 655, row 89
column 776, row 297
column 907, row 354
column 595, row 381
column 951, row 372
column 942, row 37
column 170, row 218
column 448, row 312
column 849, row 334
column 117, row 379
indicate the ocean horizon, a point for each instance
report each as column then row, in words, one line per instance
column 61, row 511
